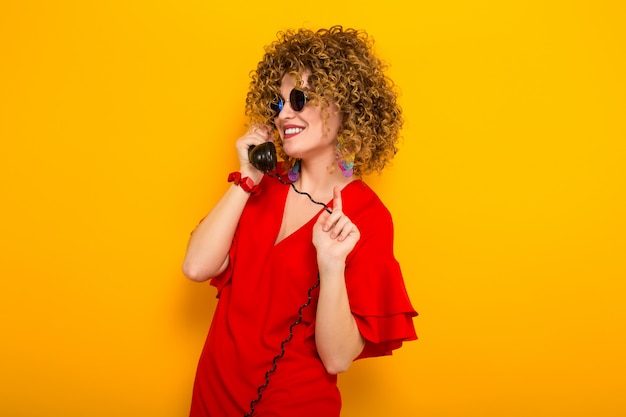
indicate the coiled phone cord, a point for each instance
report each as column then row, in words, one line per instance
column 263, row 158
column 282, row 348
column 302, row 307
column 282, row 181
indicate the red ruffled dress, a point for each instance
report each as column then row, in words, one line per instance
column 261, row 292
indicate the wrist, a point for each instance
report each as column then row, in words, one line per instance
column 248, row 170
column 246, row 183
column 329, row 266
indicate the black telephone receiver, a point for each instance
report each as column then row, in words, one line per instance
column 263, row 157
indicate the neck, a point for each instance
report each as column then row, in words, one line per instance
column 318, row 178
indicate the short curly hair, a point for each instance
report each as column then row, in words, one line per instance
column 344, row 70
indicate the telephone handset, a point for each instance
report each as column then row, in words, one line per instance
column 263, row 157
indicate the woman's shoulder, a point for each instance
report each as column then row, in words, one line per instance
column 360, row 201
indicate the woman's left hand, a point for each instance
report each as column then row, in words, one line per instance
column 334, row 234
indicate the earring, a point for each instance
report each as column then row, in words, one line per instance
column 347, row 166
column 294, row 172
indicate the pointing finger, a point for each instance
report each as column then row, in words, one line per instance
column 337, row 202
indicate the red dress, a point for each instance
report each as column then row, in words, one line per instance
column 261, row 292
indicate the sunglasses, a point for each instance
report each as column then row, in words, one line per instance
column 297, row 98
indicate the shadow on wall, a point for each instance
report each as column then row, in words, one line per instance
column 360, row 384
column 197, row 304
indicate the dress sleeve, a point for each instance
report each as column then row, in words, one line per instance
column 251, row 211
column 221, row 280
column 378, row 297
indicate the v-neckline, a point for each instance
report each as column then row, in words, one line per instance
column 298, row 229
column 305, row 224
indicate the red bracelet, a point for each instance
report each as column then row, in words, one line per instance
column 245, row 183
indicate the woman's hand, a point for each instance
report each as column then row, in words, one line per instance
column 256, row 135
column 334, row 235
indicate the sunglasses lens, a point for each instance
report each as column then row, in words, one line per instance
column 277, row 106
column 298, row 99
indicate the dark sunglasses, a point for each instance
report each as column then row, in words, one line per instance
column 297, row 98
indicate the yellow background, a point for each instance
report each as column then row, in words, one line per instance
column 117, row 124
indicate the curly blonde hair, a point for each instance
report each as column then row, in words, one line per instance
column 342, row 70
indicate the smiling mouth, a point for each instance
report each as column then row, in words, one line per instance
column 292, row 131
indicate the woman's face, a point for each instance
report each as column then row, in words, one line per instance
column 309, row 133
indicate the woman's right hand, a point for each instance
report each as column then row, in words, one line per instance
column 256, row 135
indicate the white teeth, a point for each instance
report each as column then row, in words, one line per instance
column 293, row 130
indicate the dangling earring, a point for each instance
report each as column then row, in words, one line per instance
column 346, row 165
column 294, row 172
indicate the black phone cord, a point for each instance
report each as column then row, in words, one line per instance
column 279, row 178
column 282, row 348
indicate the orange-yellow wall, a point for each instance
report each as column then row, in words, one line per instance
column 117, row 123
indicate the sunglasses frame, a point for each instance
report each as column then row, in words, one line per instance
column 293, row 99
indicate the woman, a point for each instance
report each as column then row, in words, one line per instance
column 303, row 289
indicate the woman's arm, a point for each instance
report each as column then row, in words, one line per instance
column 207, row 250
column 337, row 336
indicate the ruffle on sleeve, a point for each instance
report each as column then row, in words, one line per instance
column 383, row 335
column 379, row 301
